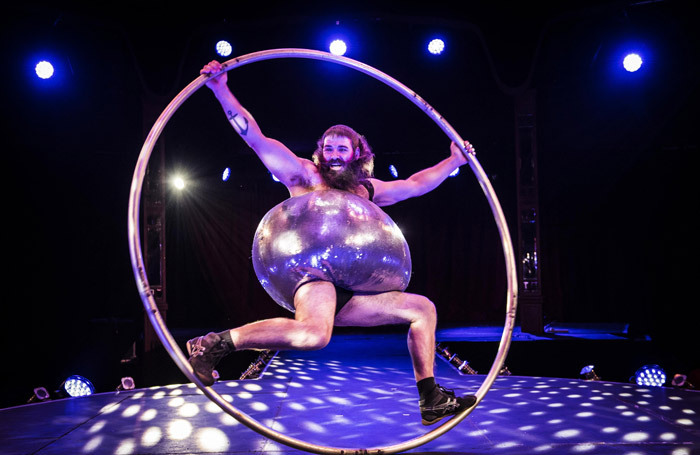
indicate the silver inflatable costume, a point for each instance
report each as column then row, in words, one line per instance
column 329, row 235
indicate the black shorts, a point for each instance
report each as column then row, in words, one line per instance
column 342, row 296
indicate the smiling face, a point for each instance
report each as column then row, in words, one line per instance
column 338, row 153
column 343, row 158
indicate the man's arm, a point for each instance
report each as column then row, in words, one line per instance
column 279, row 160
column 388, row 193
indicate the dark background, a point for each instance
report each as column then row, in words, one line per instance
column 616, row 177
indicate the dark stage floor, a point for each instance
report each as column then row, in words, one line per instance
column 359, row 393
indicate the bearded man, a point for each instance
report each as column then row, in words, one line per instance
column 342, row 161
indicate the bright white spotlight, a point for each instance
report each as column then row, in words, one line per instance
column 226, row 174
column 224, row 48
column 454, row 173
column 650, row 375
column 179, row 183
column 44, row 69
column 393, row 171
column 632, row 62
column 77, row 386
column 436, row 46
column 338, row 47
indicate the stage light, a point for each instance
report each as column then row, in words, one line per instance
column 226, row 174
column 127, row 383
column 76, row 386
column 453, row 359
column 179, row 182
column 650, row 375
column 224, row 48
column 44, row 69
column 40, row 394
column 589, row 374
column 258, row 367
column 436, row 46
column 393, row 171
column 679, row 380
column 454, row 173
column 338, row 47
column 274, row 178
column 632, row 62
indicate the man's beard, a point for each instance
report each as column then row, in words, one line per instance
column 346, row 179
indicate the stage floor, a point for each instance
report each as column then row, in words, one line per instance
column 358, row 393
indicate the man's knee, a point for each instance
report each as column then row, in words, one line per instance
column 424, row 307
column 312, row 337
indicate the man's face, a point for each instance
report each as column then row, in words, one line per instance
column 338, row 152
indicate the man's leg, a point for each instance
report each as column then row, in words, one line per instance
column 392, row 308
column 419, row 313
column 310, row 329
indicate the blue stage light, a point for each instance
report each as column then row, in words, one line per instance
column 436, row 46
column 77, row 386
column 226, row 174
column 44, row 69
column 224, row 48
column 589, row 374
column 338, row 47
column 393, row 171
column 454, row 173
column 632, row 62
column 650, row 375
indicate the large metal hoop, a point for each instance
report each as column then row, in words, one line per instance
column 169, row 342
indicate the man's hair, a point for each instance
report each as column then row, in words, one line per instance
column 363, row 165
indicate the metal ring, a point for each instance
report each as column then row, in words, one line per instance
column 169, row 342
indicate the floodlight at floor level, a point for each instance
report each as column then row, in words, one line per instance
column 40, row 394
column 76, row 386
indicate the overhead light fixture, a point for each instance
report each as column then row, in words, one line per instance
column 338, row 47
column 44, row 69
column 224, row 48
column 436, row 46
column 393, row 171
column 632, row 62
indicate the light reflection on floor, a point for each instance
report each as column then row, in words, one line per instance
column 360, row 392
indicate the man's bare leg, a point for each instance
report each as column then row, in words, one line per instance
column 436, row 403
column 310, row 329
column 392, row 308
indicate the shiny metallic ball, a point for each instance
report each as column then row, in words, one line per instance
column 329, row 235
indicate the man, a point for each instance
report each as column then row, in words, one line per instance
column 344, row 161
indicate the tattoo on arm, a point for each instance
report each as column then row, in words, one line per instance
column 238, row 123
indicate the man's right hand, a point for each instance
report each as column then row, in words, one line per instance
column 218, row 82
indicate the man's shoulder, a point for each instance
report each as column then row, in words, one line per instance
column 306, row 181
